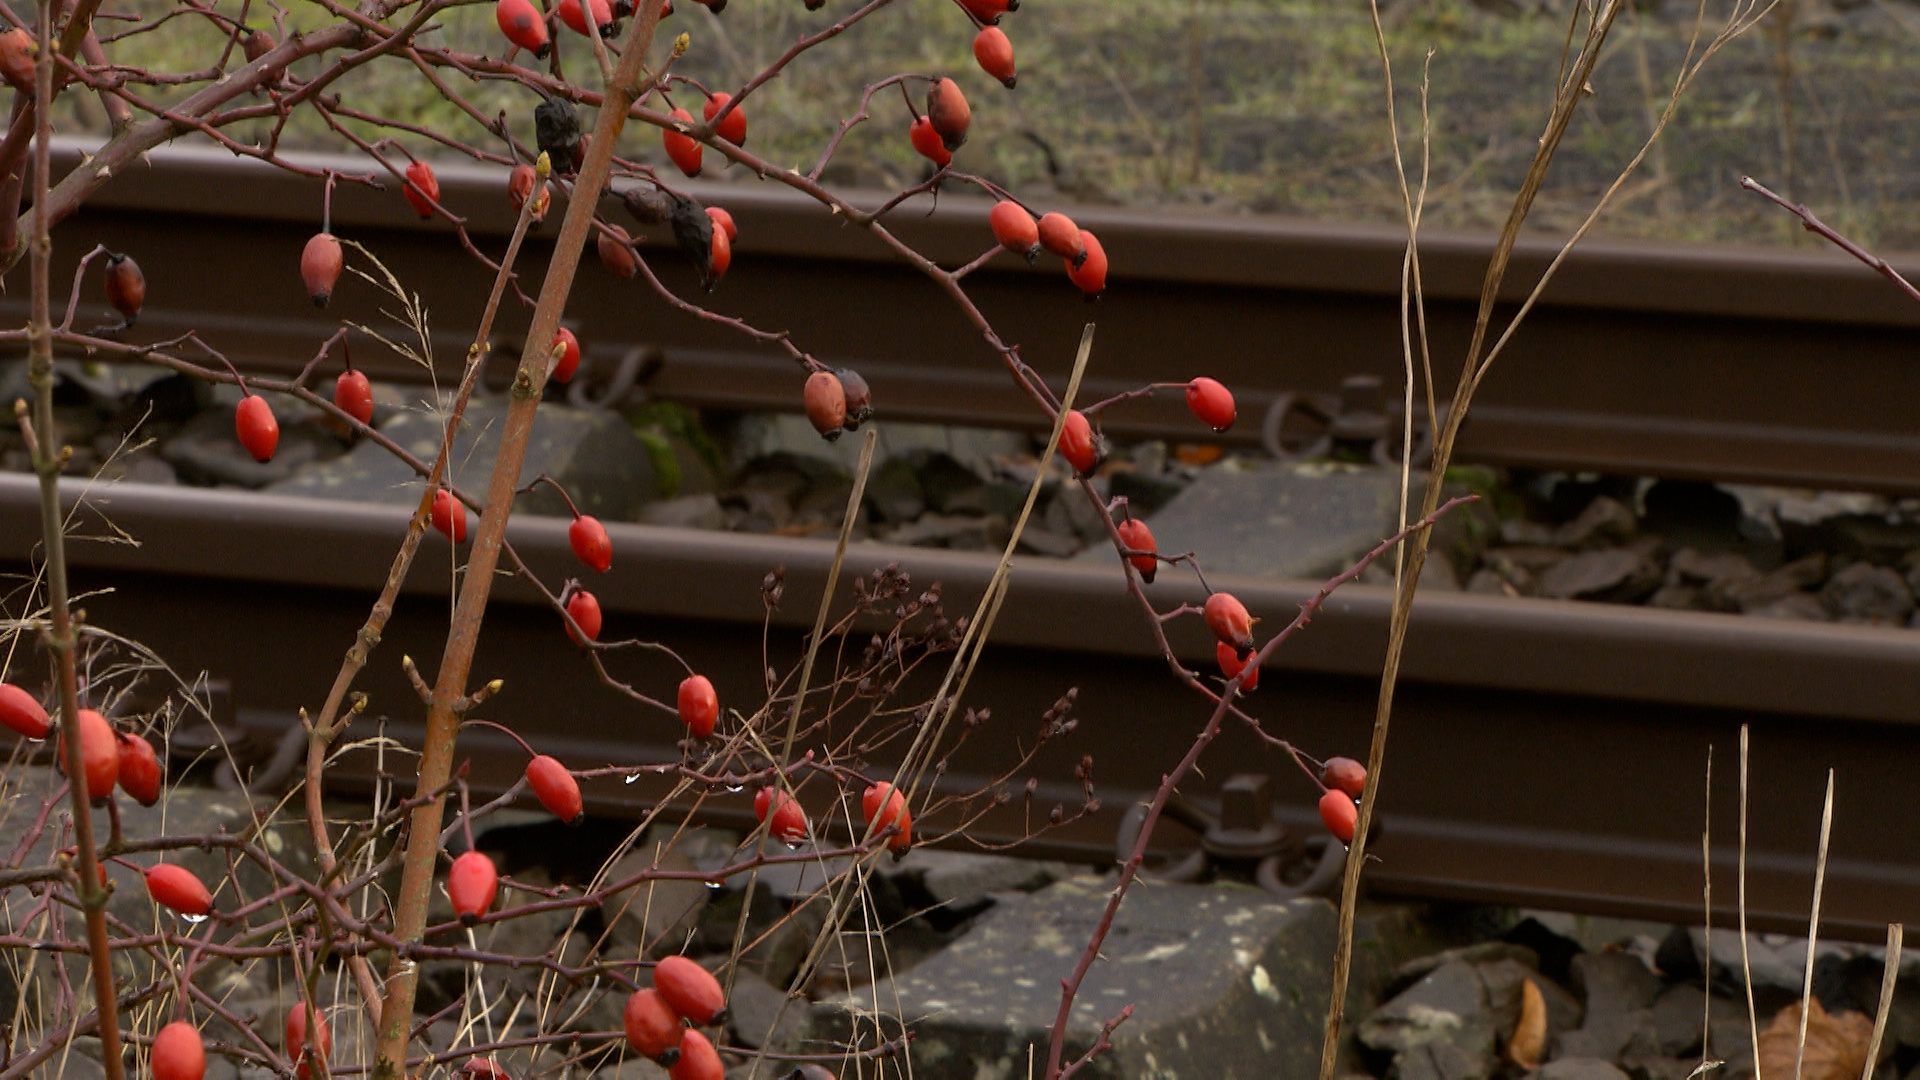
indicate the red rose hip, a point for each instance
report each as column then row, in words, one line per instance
column 178, row 1053
column 176, row 887
column 995, row 54
column 690, row 991
column 883, row 806
column 734, row 127
column 789, row 824
column 471, row 885
column 682, row 149
column 928, row 144
column 353, row 395
column 585, row 611
column 126, row 286
column 99, row 754
column 1134, row 533
column 257, row 430
column 21, row 712
column 989, row 11
column 724, row 221
column 521, row 183
column 1231, row 664
column 449, row 516
column 590, row 543
column 422, row 189
column 1227, row 617
column 301, row 1019
column 555, row 787
column 1078, row 444
column 520, row 21
column 1091, row 275
column 698, row 1059
column 571, row 13
column 140, row 774
column 719, row 256
column 826, row 401
column 1015, row 229
column 1339, row 814
column 1344, row 774
column 1211, row 403
column 568, row 362
column 699, row 705
column 320, row 264
column 615, row 255
column 653, row 1028
column 18, row 50
column 1061, row 236
column 859, row 397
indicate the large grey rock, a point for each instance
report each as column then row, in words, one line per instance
column 653, row 915
column 1225, row 982
column 1619, row 992
column 1308, row 520
column 685, row 512
column 761, row 1016
column 1620, row 574
column 1504, row 980
column 962, row 879
column 979, row 449
column 1864, row 593
column 1679, row 1017
column 1580, row 1068
column 1614, row 982
column 1606, row 520
column 1449, row 1005
column 1439, row 1061
column 592, row 453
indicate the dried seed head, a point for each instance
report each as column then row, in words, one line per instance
column 257, row 44
column 859, row 397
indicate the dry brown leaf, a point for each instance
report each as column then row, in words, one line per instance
column 1530, row 1034
column 1836, row 1044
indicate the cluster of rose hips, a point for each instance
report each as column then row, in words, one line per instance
column 1084, row 449
column 107, row 757
column 1016, row 229
column 179, row 1054
column 1343, row 779
column 657, row 1019
column 523, row 25
column 837, row 401
column 881, row 807
column 706, row 234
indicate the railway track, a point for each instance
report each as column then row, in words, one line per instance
column 1545, row 753
column 1671, row 360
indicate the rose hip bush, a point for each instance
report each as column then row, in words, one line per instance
column 602, row 127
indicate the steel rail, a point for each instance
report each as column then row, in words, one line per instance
column 1691, row 361
column 1552, row 753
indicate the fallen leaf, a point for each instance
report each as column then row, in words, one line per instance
column 1836, row 1044
column 1530, row 1034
